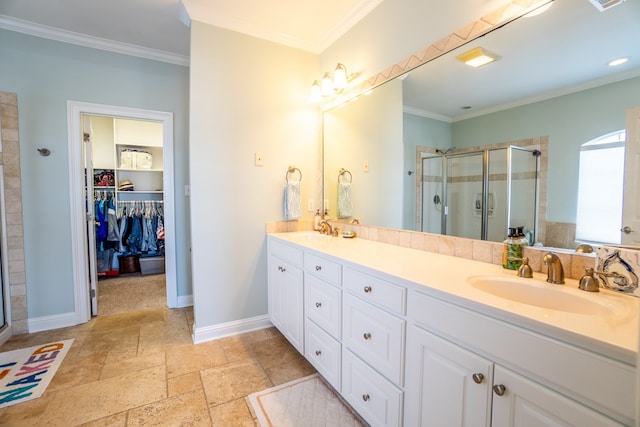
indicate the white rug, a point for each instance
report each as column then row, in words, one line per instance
column 25, row 373
column 304, row 402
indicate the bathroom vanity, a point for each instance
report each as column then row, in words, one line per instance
column 415, row 338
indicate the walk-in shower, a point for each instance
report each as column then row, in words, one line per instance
column 479, row 194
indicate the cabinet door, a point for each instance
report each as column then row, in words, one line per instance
column 526, row 403
column 446, row 385
column 286, row 301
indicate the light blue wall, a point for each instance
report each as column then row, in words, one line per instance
column 569, row 121
column 419, row 131
column 45, row 74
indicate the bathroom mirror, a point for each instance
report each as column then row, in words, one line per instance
column 551, row 80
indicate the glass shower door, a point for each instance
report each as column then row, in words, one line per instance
column 464, row 195
column 523, row 178
column 432, row 195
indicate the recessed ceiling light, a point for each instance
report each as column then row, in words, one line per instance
column 618, row 61
column 477, row 57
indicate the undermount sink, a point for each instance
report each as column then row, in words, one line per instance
column 540, row 294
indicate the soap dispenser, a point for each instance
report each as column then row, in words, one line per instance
column 316, row 221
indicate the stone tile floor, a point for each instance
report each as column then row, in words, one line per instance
column 141, row 368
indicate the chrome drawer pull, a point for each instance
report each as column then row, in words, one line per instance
column 318, row 267
column 366, row 397
column 318, row 352
column 367, row 289
column 367, row 336
column 318, row 304
column 499, row 389
column 283, row 269
column 478, row 378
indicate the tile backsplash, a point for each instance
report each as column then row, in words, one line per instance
column 479, row 250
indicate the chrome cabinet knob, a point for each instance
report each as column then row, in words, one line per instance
column 318, row 267
column 318, row 352
column 478, row 378
column 626, row 229
column 499, row 389
column 367, row 289
column 367, row 336
column 366, row 397
column 318, row 304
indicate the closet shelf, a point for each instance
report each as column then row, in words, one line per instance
column 140, row 191
column 137, row 170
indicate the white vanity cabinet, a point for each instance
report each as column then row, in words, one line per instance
column 446, row 385
column 373, row 335
column 323, row 314
column 285, row 291
column 404, row 350
column 449, row 384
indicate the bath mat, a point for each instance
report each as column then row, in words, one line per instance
column 306, row 401
column 25, row 373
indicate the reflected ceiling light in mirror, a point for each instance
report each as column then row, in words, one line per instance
column 618, row 61
column 478, row 57
column 331, row 84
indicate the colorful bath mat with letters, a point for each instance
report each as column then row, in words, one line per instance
column 25, row 373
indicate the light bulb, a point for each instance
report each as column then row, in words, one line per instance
column 327, row 85
column 340, row 77
column 316, row 92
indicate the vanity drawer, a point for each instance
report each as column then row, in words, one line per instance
column 323, row 304
column 375, row 336
column 380, row 292
column 323, row 352
column 285, row 252
column 326, row 270
column 376, row 400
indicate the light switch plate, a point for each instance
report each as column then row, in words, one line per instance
column 259, row 159
column 365, row 166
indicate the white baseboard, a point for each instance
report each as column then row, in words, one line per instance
column 184, row 301
column 222, row 330
column 47, row 323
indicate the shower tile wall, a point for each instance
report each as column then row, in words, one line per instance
column 14, row 232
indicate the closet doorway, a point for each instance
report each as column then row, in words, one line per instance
column 122, row 207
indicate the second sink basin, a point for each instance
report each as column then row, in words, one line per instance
column 539, row 294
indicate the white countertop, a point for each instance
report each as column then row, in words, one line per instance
column 445, row 277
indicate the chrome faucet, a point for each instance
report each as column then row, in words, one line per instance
column 555, row 272
column 325, row 227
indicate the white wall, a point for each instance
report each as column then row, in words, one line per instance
column 247, row 95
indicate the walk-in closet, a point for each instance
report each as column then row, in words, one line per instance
column 125, row 197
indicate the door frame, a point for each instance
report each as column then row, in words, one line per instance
column 75, row 110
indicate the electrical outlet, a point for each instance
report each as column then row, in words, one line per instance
column 365, row 166
column 310, row 207
column 259, row 159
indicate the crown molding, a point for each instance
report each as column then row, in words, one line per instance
column 355, row 15
column 51, row 33
column 198, row 12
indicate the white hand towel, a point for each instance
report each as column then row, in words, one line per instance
column 292, row 200
column 345, row 204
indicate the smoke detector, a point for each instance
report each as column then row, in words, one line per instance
column 603, row 5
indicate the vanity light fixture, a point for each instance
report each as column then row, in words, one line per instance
column 331, row 84
column 618, row 61
column 477, row 57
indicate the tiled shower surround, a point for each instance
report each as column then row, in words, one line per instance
column 479, row 250
column 12, row 205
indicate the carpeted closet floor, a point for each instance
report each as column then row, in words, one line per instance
column 133, row 292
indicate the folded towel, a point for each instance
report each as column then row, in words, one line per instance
column 345, row 204
column 292, row 200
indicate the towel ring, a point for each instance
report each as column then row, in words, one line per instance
column 291, row 170
column 343, row 171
